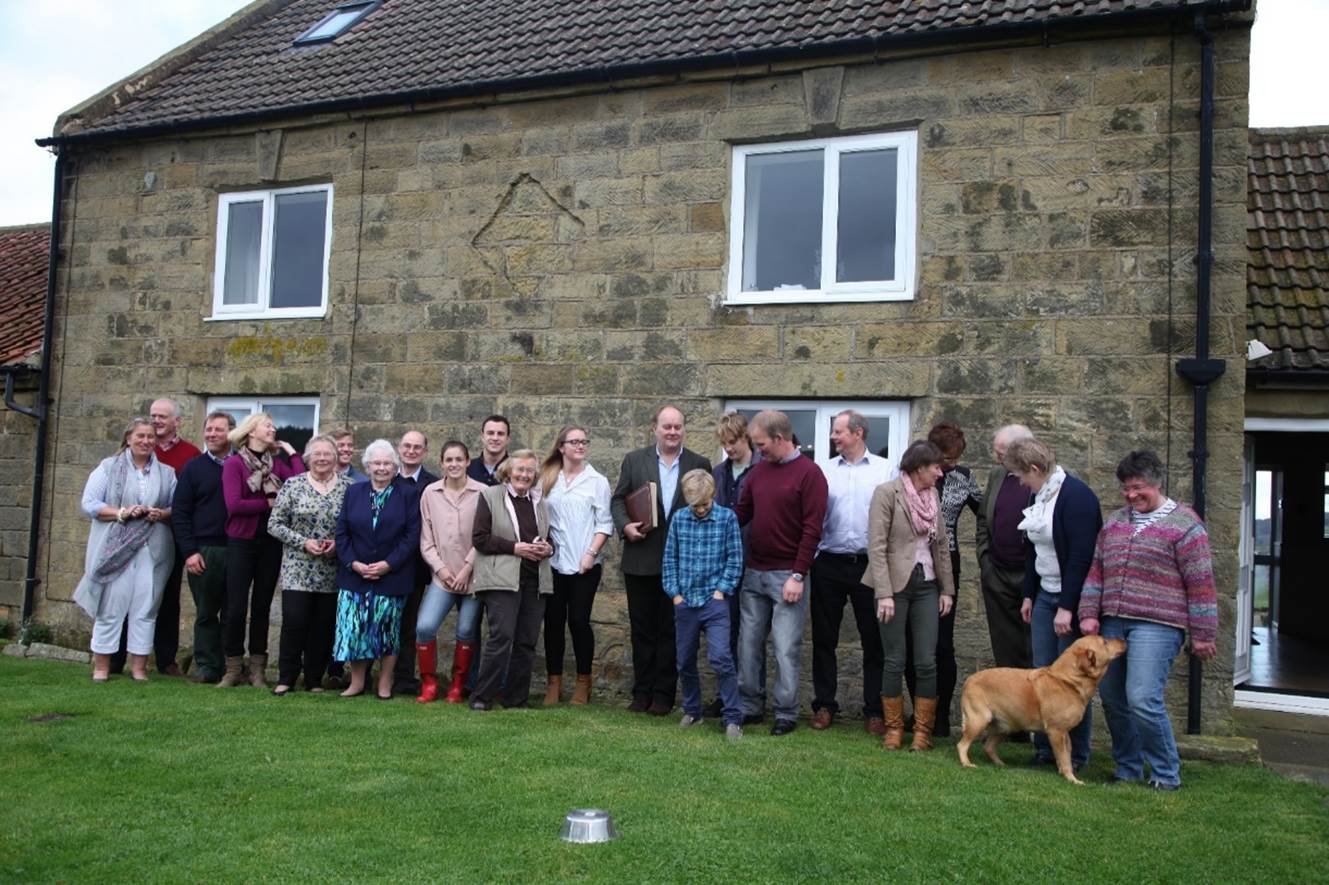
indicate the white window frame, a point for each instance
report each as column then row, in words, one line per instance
column 262, row 310
column 260, row 404
column 896, row 410
column 902, row 288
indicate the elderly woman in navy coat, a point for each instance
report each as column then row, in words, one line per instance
column 378, row 535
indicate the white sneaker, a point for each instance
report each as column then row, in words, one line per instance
column 733, row 732
column 689, row 720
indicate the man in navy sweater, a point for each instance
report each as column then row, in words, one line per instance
column 785, row 501
column 198, row 518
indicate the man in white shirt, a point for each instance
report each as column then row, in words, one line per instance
column 837, row 573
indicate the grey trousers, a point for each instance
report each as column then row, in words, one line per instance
column 1003, row 590
column 763, row 611
column 915, row 612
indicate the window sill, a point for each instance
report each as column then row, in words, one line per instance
column 813, row 296
column 301, row 313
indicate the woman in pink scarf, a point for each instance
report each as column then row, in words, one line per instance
column 909, row 567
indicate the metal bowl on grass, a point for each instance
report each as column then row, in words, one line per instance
column 588, row 825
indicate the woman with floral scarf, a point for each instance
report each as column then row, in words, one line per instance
column 130, row 549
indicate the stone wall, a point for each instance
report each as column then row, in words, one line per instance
column 561, row 259
column 18, row 442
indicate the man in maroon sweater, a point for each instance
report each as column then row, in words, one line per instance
column 784, row 499
column 175, row 453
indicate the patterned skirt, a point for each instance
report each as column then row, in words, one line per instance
column 368, row 626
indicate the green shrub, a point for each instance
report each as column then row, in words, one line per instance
column 34, row 631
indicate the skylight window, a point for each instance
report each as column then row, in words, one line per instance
column 337, row 22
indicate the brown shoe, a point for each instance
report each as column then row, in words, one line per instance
column 925, row 712
column 172, row 669
column 639, row 705
column 875, row 725
column 821, row 719
column 258, row 666
column 659, row 708
column 554, row 693
column 231, row 677
column 581, row 693
column 892, row 713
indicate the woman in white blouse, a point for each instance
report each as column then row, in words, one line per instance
column 130, row 549
column 577, row 497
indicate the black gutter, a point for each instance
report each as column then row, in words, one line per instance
column 627, row 71
column 1202, row 371
column 41, row 408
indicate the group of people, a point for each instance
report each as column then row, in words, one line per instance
column 371, row 563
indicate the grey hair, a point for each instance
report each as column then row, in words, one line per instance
column 319, row 438
column 373, row 447
column 857, row 421
column 175, row 405
column 1013, row 432
column 1142, row 464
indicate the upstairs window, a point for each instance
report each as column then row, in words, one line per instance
column 272, row 253
column 336, row 23
column 828, row 220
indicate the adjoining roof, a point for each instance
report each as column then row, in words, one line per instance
column 1287, row 235
column 405, row 50
column 23, row 258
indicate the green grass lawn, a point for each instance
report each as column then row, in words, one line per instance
column 173, row 782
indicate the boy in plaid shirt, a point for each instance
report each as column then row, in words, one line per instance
column 703, row 562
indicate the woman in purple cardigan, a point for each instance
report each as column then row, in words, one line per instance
column 251, row 478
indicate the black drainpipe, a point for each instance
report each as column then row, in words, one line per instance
column 1202, row 371
column 41, row 408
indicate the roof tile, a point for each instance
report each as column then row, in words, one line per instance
column 23, row 255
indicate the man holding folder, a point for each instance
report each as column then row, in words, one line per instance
column 650, row 611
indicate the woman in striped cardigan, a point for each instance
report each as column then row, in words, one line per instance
column 1151, row 581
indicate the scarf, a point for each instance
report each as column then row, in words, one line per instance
column 261, row 478
column 922, row 510
column 1038, row 515
column 123, row 539
column 377, row 501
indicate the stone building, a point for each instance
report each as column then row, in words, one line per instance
column 24, row 253
column 380, row 216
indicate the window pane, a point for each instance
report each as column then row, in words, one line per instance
column 879, row 436
column 1326, row 504
column 804, row 423
column 866, row 226
column 297, row 250
column 295, row 423
column 1263, row 512
column 244, row 229
column 238, row 414
column 782, row 221
column 334, row 25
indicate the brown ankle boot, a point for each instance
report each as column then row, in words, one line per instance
column 231, row 677
column 554, row 693
column 258, row 667
column 925, row 713
column 892, row 711
column 581, row 693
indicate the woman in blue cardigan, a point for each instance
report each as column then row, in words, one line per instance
column 378, row 534
column 1061, row 527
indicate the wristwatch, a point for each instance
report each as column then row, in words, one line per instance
column 797, row 577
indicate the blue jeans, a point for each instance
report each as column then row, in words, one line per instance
column 1047, row 645
column 435, row 607
column 689, row 623
column 1132, row 693
column 764, row 611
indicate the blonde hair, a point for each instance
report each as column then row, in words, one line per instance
column 1028, row 454
column 732, row 425
column 240, row 435
column 553, row 462
column 698, row 489
column 504, row 470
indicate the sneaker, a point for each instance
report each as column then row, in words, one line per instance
column 1168, row 788
column 733, row 732
column 689, row 720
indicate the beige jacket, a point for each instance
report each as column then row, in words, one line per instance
column 502, row 571
column 892, row 545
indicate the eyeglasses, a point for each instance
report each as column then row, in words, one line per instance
column 580, row 443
